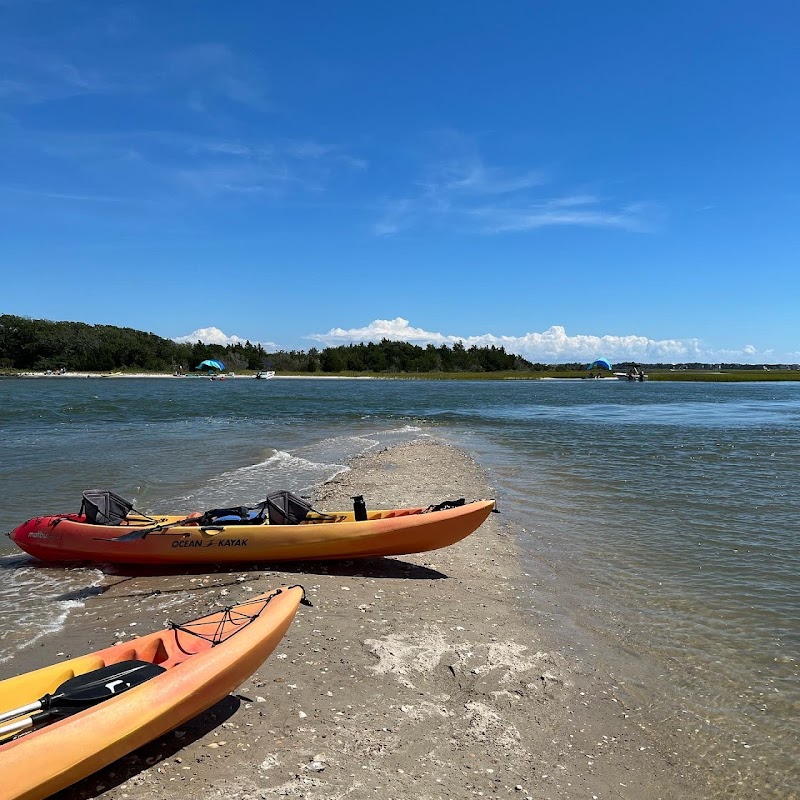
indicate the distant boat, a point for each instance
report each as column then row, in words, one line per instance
column 265, row 375
column 630, row 376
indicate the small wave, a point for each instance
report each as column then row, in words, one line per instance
column 404, row 429
column 296, row 466
column 288, row 458
column 341, row 448
column 249, row 484
column 37, row 600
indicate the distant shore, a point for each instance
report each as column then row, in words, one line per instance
column 738, row 376
column 185, row 375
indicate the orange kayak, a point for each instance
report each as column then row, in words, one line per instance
column 199, row 663
column 176, row 540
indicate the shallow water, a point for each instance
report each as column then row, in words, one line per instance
column 667, row 510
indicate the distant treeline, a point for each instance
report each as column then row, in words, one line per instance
column 39, row 345
column 390, row 356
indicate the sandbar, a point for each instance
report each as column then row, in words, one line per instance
column 423, row 676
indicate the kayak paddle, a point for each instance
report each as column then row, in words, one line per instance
column 141, row 533
column 81, row 692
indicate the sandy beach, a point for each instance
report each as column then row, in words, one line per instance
column 193, row 376
column 426, row 676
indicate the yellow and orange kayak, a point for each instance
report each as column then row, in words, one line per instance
column 200, row 662
column 176, row 540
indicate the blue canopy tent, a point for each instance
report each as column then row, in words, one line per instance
column 600, row 362
column 211, row 363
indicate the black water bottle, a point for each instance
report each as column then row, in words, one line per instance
column 359, row 508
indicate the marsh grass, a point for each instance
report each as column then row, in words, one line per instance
column 653, row 375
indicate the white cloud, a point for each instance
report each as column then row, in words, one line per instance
column 273, row 166
column 35, row 76
column 208, row 71
column 396, row 329
column 460, row 190
column 200, row 75
column 163, row 167
column 504, row 208
column 216, row 336
column 576, row 211
column 470, row 175
column 553, row 345
column 89, row 198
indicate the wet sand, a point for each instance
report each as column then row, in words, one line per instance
column 417, row 676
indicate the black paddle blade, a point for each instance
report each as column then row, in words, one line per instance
column 101, row 684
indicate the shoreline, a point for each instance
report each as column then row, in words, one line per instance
column 709, row 377
column 415, row 676
column 159, row 375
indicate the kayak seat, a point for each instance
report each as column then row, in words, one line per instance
column 153, row 651
column 175, row 659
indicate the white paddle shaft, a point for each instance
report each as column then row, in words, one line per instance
column 15, row 727
column 18, row 712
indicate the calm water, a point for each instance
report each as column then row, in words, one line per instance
column 668, row 510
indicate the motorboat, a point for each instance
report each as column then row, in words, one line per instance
column 632, row 376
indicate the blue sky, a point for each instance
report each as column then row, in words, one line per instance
column 567, row 179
